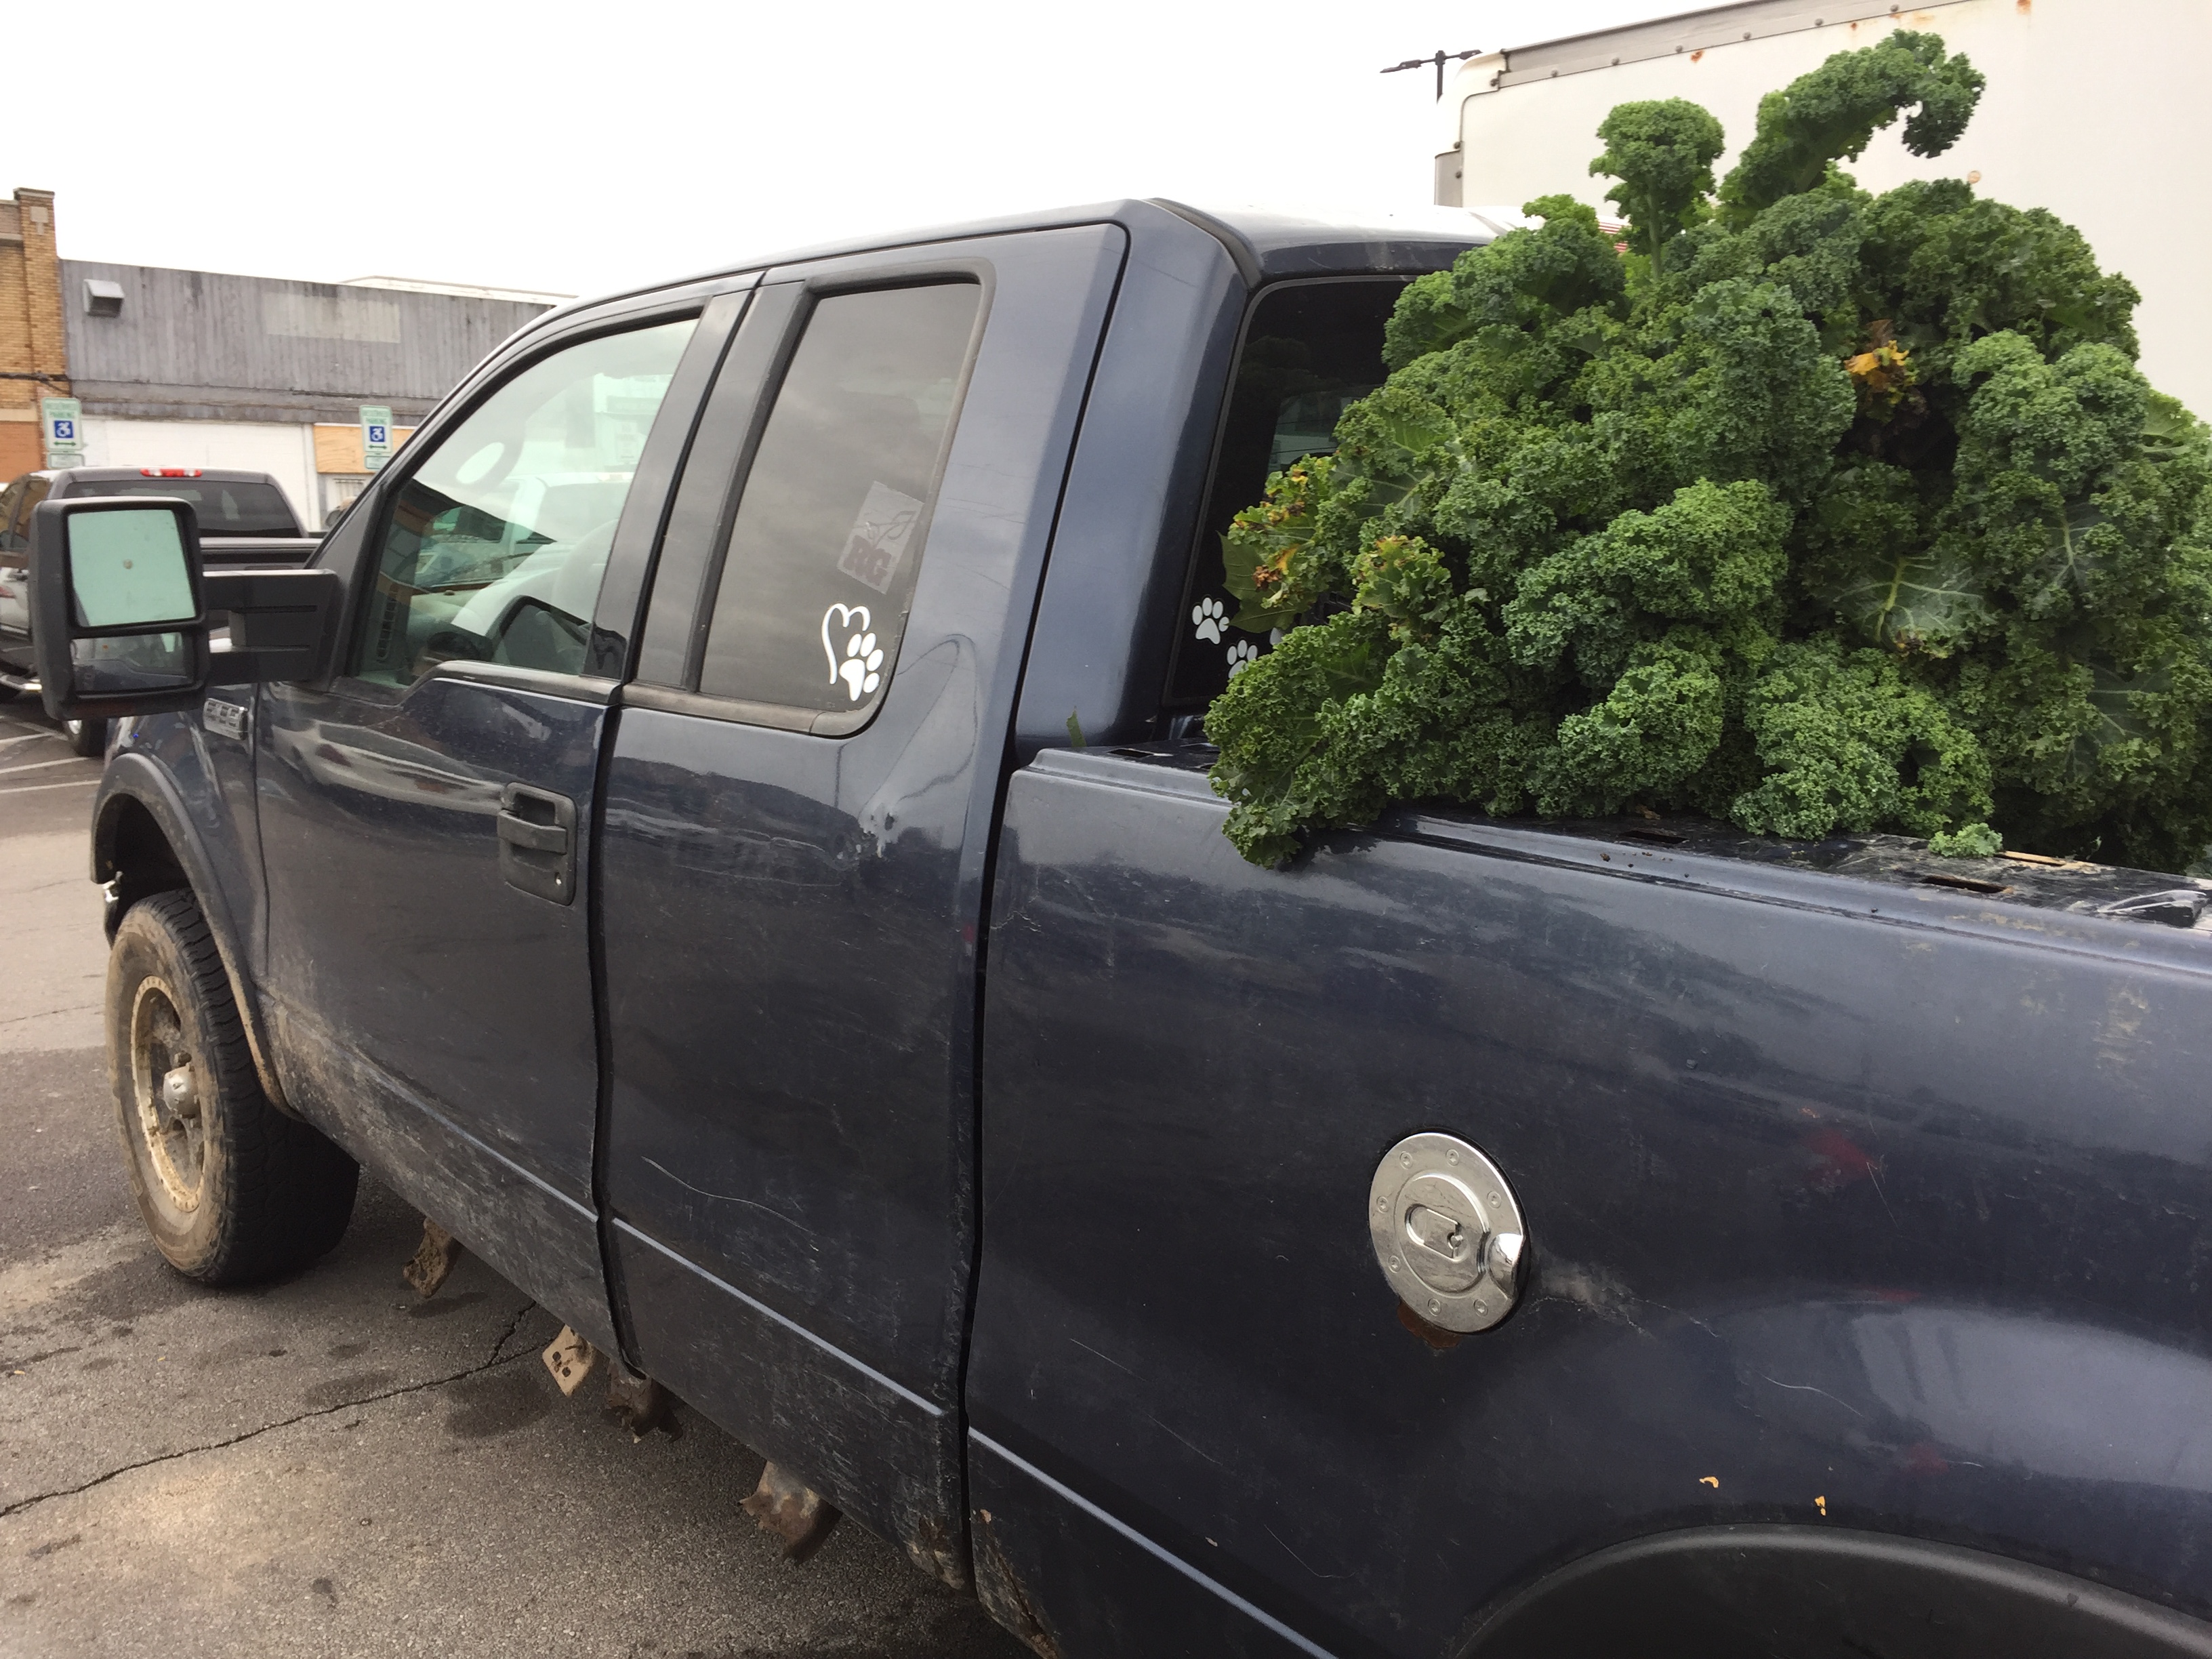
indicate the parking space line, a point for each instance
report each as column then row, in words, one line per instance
column 34, row 766
column 33, row 789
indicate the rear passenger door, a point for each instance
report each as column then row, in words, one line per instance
column 425, row 818
column 796, row 830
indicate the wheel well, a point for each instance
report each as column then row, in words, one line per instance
column 130, row 853
column 1745, row 1592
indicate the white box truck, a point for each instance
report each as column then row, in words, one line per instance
column 2096, row 109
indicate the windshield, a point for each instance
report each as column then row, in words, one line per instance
column 225, row 507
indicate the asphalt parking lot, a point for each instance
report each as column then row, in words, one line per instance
column 328, row 1465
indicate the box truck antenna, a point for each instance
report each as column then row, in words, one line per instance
column 1439, row 60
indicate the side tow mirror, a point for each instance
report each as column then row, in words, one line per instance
column 122, row 614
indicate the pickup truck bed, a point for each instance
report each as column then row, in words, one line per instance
column 855, row 1018
column 1859, row 1195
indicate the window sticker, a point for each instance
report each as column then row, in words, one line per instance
column 880, row 535
column 861, row 668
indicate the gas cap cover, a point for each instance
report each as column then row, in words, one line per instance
column 1447, row 1232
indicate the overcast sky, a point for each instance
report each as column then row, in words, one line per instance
column 576, row 148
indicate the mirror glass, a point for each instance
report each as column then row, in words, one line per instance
column 125, row 663
column 128, row 566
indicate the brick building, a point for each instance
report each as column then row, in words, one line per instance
column 33, row 352
column 203, row 368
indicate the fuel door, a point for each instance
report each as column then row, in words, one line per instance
column 1447, row 1232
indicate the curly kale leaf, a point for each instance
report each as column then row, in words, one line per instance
column 1712, row 556
column 1663, row 152
column 1849, row 742
column 1832, row 114
column 1277, row 771
column 1762, row 399
column 1266, row 543
column 2064, row 422
column 1973, row 840
column 1946, row 268
column 1656, row 727
column 1922, row 601
column 1531, row 277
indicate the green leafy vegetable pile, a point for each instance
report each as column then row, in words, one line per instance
column 1801, row 507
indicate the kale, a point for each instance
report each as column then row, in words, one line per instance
column 1785, row 504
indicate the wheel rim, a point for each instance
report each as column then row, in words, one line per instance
column 75, row 728
column 166, row 1081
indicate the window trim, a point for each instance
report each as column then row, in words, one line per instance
column 691, row 306
column 765, row 328
column 1169, row 709
column 809, row 292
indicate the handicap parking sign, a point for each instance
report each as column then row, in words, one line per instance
column 63, row 417
column 375, row 437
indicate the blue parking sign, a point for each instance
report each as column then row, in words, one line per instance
column 65, row 431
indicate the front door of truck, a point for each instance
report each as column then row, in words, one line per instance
column 425, row 820
column 797, row 811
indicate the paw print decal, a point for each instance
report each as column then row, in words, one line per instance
column 1241, row 656
column 1211, row 616
column 860, row 667
column 860, row 670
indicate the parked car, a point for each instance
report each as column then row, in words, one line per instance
column 246, row 522
column 731, row 841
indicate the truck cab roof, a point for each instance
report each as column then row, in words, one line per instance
column 1267, row 245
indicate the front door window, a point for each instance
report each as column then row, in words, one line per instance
column 492, row 549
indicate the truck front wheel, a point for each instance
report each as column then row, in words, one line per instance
column 232, row 1189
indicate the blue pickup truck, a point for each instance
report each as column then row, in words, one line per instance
column 722, row 827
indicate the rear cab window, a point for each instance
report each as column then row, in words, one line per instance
column 224, row 506
column 1308, row 349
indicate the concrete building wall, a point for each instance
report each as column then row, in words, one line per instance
column 200, row 368
column 200, row 345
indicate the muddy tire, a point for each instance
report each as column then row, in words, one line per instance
column 86, row 737
column 232, row 1189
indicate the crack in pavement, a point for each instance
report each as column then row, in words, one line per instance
column 47, row 1013
column 507, row 1335
column 492, row 1364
